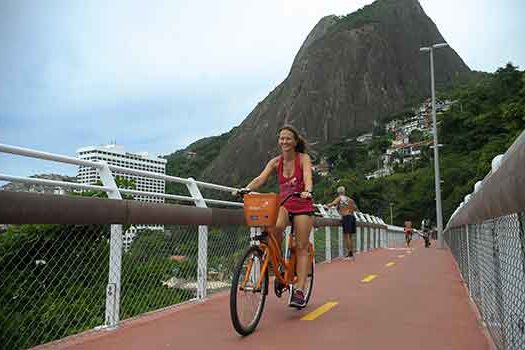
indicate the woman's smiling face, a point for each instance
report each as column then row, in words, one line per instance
column 287, row 140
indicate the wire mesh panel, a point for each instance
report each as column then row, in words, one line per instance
column 474, row 263
column 320, row 244
column 492, row 262
column 491, row 284
column 395, row 239
column 355, row 245
column 159, row 269
column 359, row 238
column 53, row 282
column 334, row 242
column 512, row 276
column 226, row 245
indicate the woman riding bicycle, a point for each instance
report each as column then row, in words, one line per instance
column 294, row 173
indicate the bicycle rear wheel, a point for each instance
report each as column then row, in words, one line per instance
column 246, row 299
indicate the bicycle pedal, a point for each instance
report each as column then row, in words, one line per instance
column 250, row 289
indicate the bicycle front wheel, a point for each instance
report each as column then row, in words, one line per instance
column 247, row 297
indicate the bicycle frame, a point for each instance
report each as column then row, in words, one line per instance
column 272, row 251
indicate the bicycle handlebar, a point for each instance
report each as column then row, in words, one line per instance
column 290, row 195
column 241, row 192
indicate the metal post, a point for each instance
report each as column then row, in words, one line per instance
column 439, row 216
column 113, row 288
column 112, row 314
column 359, row 232
column 365, row 239
column 202, row 259
column 340, row 240
column 328, row 244
column 391, row 215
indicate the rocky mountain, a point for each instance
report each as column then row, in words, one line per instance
column 350, row 72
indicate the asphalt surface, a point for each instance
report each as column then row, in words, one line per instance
column 414, row 299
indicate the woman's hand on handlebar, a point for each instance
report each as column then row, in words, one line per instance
column 306, row 195
column 241, row 192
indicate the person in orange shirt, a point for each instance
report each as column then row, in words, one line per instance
column 408, row 232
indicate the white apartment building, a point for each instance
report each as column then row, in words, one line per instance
column 116, row 155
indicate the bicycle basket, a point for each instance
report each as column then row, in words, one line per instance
column 261, row 209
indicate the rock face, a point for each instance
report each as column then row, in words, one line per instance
column 349, row 72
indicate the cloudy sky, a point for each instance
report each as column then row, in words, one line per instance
column 157, row 75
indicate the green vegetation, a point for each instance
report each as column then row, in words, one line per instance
column 120, row 181
column 378, row 12
column 191, row 161
column 488, row 115
column 54, row 277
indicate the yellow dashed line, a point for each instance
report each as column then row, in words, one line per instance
column 390, row 264
column 369, row 278
column 319, row 311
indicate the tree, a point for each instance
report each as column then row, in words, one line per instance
column 416, row 136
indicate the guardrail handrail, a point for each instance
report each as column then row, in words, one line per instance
column 100, row 165
column 500, row 192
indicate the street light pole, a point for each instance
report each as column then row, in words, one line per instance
column 437, row 177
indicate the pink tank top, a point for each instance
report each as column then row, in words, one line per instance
column 294, row 183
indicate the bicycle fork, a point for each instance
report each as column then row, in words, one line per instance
column 255, row 273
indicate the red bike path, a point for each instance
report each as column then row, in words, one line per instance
column 419, row 302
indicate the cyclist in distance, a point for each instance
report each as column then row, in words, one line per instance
column 408, row 232
column 293, row 168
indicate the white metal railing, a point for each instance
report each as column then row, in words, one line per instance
column 102, row 166
column 109, row 186
column 372, row 231
column 500, row 192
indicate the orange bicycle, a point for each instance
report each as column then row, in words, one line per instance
column 250, row 280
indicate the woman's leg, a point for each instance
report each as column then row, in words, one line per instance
column 302, row 226
column 280, row 225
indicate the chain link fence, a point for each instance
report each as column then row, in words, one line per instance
column 491, row 259
column 55, row 277
column 53, row 282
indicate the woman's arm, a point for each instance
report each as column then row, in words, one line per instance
column 264, row 175
column 307, row 173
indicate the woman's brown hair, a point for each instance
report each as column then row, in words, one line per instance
column 301, row 146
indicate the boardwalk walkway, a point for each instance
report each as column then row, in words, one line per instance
column 416, row 301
